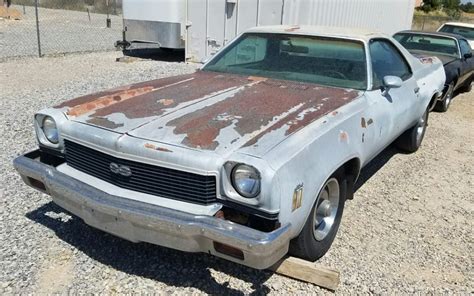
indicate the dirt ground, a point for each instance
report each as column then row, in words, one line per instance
column 408, row 229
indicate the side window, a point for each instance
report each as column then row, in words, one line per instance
column 251, row 50
column 465, row 47
column 387, row 60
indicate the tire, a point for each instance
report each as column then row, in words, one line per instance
column 410, row 141
column 468, row 86
column 443, row 105
column 312, row 243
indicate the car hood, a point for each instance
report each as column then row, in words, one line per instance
column 445, row 59
column 209, row 111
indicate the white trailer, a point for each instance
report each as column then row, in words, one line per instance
column 201, row 27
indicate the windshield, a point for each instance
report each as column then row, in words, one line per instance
column 326, row 61
column 465, row 32
column 435, row 44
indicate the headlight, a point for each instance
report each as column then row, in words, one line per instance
column 50, row 130
column 246, row 180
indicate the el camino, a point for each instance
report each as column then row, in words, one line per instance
column 251, row 157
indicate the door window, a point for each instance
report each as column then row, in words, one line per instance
column 465, row 47
column 387, row 60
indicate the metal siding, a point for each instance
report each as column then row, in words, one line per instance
column 225, row 20
column 387, row 16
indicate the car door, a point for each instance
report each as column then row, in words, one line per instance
column 467, row 61
column 390, row 111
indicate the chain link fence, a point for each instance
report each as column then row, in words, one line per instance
column 432, row 23
column 50, row 27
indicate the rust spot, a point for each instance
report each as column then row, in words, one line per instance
column 343, row 136
column 292, row 28
column 154, row 147
column 112, row 92
column 257, row 78
column 153, row 103
column 166, row 102
column 104, row 122
column 108, row 100
column 335, row 112
column 363, row 123
column 257, row 106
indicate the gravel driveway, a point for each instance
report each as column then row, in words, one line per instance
column 61, row 31
column 408, row 230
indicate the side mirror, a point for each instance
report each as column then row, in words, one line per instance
column 390, row 82
column 468, row 55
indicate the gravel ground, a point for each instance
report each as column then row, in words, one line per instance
column 408, row 230
column 62, row 31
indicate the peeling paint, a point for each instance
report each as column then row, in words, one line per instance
column 154, row 147
column 343, row 136
column 292, row 28
column 107, row 100
column 105, row 122
column 166, row 102
column 363, row 123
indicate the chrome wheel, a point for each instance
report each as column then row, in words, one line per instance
column 420, row 130
column 326, row 209
column 449, row 96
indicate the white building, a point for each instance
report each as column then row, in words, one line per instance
column 203, row 26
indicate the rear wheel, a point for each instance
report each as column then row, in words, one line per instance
column 443, row 105
column 410, row 141
column 323, row 222
column 468, row 86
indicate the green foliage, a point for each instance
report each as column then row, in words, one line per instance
column 431, row 5
column 468, row 7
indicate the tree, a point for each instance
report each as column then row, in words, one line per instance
column 451, row 7
column 467, row 7
column 432, row 5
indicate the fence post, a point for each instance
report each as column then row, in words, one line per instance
column 37, row 28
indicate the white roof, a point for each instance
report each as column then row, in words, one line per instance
column 349, row 33
column 460, row 24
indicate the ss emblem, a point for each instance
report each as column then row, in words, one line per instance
column 120, row 169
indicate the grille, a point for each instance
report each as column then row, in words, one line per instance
column 145, row 178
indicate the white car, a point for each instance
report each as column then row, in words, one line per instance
column 464, row 29
column 258, row 148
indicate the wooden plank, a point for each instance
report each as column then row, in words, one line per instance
column 307, row 272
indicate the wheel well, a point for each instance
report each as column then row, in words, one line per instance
column 351, row 170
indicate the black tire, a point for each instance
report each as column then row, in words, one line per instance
column 443, row 105
column 410, row 141
column 305, row 245
column 468, row 86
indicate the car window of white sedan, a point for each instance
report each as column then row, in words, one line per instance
column 387, row 60
column 465, row 32
column 326, row 61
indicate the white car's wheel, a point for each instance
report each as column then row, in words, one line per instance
column 323, row 222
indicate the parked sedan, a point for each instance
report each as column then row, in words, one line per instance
column 464, row 29
column 253, row 155
column 455, row 53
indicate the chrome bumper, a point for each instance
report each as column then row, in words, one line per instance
column 141, row 222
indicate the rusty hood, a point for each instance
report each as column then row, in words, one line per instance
column 209, row 111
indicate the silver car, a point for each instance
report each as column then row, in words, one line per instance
column 250, row 157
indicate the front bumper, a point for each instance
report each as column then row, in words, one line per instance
column 142, row 222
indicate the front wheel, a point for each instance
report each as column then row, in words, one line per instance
column 323, row 222
column 410, row 141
